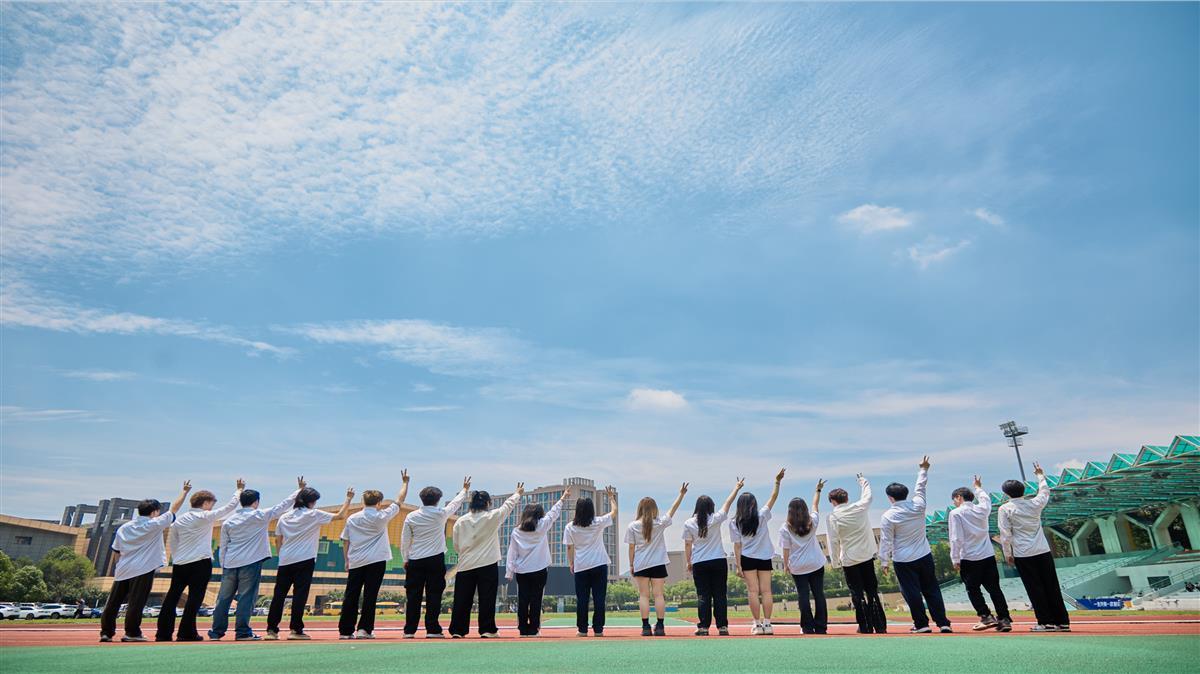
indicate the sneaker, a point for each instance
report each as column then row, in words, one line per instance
column 1042, row 628
column 767, row 627
column 162, row 639
column 489, row 635
column 1003, row 625
column 598, row 633
column 646, row 631
column 137, row 638
column 345, row 637
column 757, row 630
column 921, row 630
column 723, row 631
column 363, row 634
column 946, row 629
column 409, row 636
column 191, row 638
column 249, row 637
column 456, row 636
column 104, row 639
column 987, row 622
column 659, row 630
column 582, row 634
column 701, row 631
column 1064, row 628
column 435, row 635
column 272, row 635
column 298, row 636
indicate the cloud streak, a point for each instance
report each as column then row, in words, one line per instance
column 869, row 218
column 934, row 250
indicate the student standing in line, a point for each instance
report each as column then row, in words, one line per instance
column 191, row 562
column 245, row 545
column 140, row 552
column 752, row 552
column 423, row 546
column 367, row 550
column 1024, row 544
column 902, row 540
column 648, row 558
column 974, row 557
column 852, row 548
column 704, row 551
column 299, row 533
column 528, row 560
column 588, row 560
column 803, row 559
column 477, row 542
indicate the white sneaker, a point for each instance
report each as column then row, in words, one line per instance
column 757, row 630
column 767, row 628
column 363, row 634
column 489, row 635
column 272, row 636
column 409, row 636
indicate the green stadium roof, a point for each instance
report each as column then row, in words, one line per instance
column 1126, row 481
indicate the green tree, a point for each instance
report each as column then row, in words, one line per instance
column 621, row 593
column 66, row 573
column 736, row 587
column 7, row 569
column 28, row 585
column 781, row 583
column 680, row 591
column 943, row 567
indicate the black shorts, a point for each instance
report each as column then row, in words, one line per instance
column 752, row 564
column 659, row 571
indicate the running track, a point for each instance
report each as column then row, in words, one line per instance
column 390, row 630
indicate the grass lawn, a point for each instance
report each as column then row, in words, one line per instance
column 1008, row 653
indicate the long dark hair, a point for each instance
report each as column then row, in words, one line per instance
column 704, row 508
column 585, row 512
column 306, row 498
column 530, row 517
column 747, row 514
column 798, row 519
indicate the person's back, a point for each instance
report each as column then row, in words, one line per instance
column 244, row 534
column 140, row 543
column 1020, row 523
column 477, row 535
column 852, row 540
column 530, row 550
column 902, row 526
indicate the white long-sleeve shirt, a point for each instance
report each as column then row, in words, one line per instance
column 140, row 543
column 366, row 532
column 300, row 529
column 902, row 527
column 244, row 538
column 477, row 535
column 424, row 531
column 968, row 529
column 802, row 554
column 529, row 551
column 851, row 540
column 1020, row 524
column 191, row 534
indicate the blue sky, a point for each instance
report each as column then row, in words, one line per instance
column 640, row 244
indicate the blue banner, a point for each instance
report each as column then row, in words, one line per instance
column 1103, row 603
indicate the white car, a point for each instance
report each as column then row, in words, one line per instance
column 8, row 611
column 54, row 611
column 26, row 611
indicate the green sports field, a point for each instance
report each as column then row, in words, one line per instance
column 1015, row 653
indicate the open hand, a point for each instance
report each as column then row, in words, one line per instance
column 779, row 477
column 187, row 485
column 241, row 484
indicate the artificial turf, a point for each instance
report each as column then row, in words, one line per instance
column 999, row 653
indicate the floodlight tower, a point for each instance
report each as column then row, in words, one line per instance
column 1014, row 432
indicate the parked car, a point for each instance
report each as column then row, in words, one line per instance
column 54, row 611
column 204, row 611
column 8, row 611
column 27, row 611
column 152, row 611
column 260, row 610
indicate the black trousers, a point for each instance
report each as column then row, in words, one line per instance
column 424, row 578
column 712, row 592
column 918, row 584
column 1041, row 584
column 193, row 577
column 983, row 572
column 485, row 580
column 864, row 594
column 133, row 591
column 297, row 578
column 592, row 584
column 362, row 582
column 812, row 621
column 530, row 587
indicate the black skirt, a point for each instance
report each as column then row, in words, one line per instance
column 659, row 571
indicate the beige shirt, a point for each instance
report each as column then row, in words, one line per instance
column 851, row 540
column 477, row 535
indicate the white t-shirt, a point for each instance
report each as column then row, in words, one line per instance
column 191, row 534
column 709, row 547
column 367, row 532
column 759, row 545
column 301, row 532
column 589, row 543
column 529, row 551
column 648, row 553
column 140, row 543
column 804, row 552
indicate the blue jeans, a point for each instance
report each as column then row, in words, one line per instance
column 241, row 584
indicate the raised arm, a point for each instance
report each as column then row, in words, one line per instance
column 816, row 502
column 510, row 503
column 403, row 487
column 456, row 502
column 218, row 513
column 741, row 482
column 287, row 503
column 983, row 500
column 345, row 504
column 178, row 502
column 918, row 498
column 612, row 499
column 552, row 516
column 864, row 500
column 775, row 489
column 1043, row 495
column 678, row 499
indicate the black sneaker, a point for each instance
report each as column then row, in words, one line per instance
column 646, row 632
column 723, row 631
column 1003, row 625
column 945, row 629
column 659, row 630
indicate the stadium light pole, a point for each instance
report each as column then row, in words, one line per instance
column 1014, row 432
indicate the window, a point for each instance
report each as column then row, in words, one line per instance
column 24, row 540
column 322, row 547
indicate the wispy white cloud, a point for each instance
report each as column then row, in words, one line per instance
column 868, row 404
column 437, row 347
column 23, row 306
column 869, row 218
column 16, row 413
column 421, row 387
column 933, row 250
column 988, row 216
column 657, row 400
column 1069, row 463
column 98, row 375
